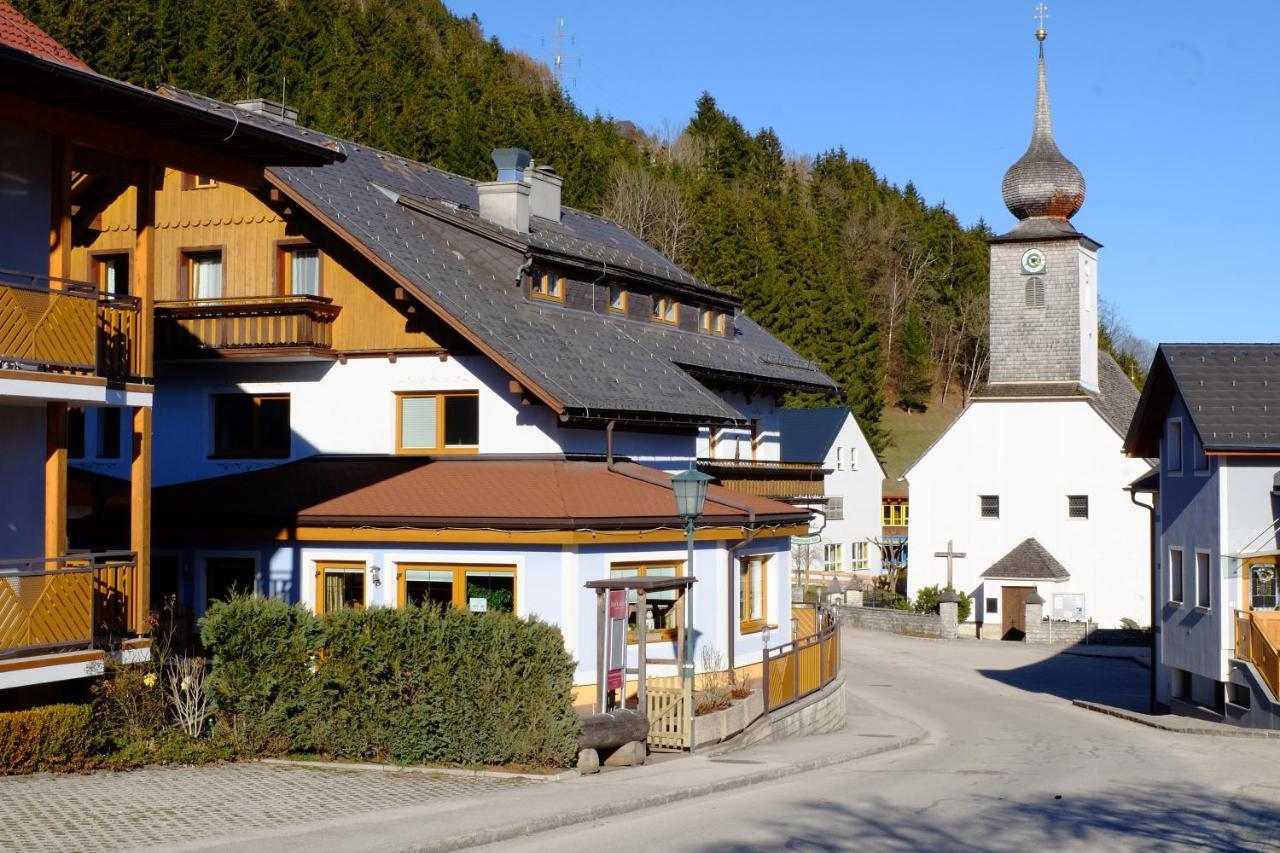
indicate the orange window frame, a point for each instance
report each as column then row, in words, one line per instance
column 284, row 265
column 620, row 308
column 323, row 567
column 440, row 449
column 747, row 624
column 642, row 569
column 555, row 280
column 459, row 573
column 662, row 305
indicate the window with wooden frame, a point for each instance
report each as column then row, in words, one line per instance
column 617, row 299
column 479, row 589
column 111, row 273
column 753, row 601
column 200, row 273
column 665, row 309
column 197, row 182
column 299, row 269
column 109, row 433
column 251, row 426
column 661, row 606
column 438, row 422
column 546, row 284
column 339, row 584
column 711, row 320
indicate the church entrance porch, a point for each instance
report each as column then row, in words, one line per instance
column 1013, row 624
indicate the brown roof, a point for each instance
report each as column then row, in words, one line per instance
column 18, row 32
column 538, row 493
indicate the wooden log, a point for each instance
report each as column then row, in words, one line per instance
column 606, row 731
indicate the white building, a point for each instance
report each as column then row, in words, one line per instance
column 1037, row 453
column 1208, row 411
column 852, row 480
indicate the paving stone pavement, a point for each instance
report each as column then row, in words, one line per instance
column 160, row 806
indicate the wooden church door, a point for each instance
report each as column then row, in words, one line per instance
column 1014, row 617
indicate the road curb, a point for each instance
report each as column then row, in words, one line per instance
column 586, row 815
column 425, row 769
column 1150, row 722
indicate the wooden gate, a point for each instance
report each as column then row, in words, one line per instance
column 1013, row 602
column 670, row 705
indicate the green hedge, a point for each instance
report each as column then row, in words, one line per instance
column 54, row 737
column 411, row 685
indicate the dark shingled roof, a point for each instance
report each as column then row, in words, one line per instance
column 420, row 222
column 1232, row 394
column 1115, row 400
column 1028, row 561
column 807, row 434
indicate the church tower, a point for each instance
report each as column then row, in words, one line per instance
column 1044, row 273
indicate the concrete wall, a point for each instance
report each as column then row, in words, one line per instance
column 895, row 621
column 1033, row 454
column 22, row 435
column 821, row 712
column 25, row 185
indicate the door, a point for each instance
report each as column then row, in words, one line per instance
column 1013, row 624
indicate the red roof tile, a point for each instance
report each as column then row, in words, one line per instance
column 519, row 493
column 17, row 31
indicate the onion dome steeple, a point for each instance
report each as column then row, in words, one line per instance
column 1043, row 184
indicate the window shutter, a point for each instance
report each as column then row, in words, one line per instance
column 419, row 417
column 1035, row 292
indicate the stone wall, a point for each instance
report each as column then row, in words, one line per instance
column 894, row 621
column 816, row 714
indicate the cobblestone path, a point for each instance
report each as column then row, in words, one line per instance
column 161, row 806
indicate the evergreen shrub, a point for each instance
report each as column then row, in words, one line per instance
column 411, row 685
column 927, row 601
column 53, row 737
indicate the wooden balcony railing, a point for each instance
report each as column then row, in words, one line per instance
column 64, row 326
column 67, row 602
column 1258, row 641
column 245, row 325
column 767, row 479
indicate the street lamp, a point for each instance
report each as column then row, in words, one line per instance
column 690, row 487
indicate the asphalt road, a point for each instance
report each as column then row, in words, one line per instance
column 1008, row 764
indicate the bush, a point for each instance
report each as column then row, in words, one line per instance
column 927, row 601
column 412, row 685
column 55, row 737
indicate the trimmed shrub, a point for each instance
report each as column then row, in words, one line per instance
column 412, row 685
column 927, row 601
column 54, row 737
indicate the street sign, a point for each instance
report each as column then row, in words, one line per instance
column 811, row 539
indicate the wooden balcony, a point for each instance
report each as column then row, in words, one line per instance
column 295, row 327
column 53, row 325
column 68, row 603
column 784, row 481
column 1258, row 641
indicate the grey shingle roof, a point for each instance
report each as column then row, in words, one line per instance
column 1232, row 394
column 594, row 364
column 1028, row 561
column 1115, row 400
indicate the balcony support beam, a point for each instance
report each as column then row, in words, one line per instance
column 140, row 518
column 144, row 262
column 55, row 479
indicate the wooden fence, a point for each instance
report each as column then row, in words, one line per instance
column 669, row 701
column 1258, row 641
column 803, row 666
column 66, row 602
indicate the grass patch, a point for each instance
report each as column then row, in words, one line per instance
column 911, row 433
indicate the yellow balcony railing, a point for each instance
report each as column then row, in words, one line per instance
column 1258, row 641
column 64, row 326
column 68, row 602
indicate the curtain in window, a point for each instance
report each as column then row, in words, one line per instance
column 334, row 586
column 305, row 272
column 207, row 277
column 419, row 417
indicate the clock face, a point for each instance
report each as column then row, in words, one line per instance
column 1032, row 262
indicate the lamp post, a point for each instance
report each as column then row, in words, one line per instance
column 690, row 488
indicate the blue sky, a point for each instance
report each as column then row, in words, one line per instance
column 1170, row 110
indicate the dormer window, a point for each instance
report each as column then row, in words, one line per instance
column 665, row 309
column 711, row 320
column 547, row 284
column 617, row 299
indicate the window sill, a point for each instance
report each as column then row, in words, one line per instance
column 559, row 300
column 755, row 627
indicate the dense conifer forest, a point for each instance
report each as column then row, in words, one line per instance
column 887, row 292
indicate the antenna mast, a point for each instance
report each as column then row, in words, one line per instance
column 560, row 38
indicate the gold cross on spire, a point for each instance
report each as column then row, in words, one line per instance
column 1042, row 12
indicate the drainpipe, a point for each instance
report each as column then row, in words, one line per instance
column 1155, row 606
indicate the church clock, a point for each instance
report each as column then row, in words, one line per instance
column 1032, row 262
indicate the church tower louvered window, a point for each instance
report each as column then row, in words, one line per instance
column 1035, row 292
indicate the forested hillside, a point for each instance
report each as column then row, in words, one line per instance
column 887, row 292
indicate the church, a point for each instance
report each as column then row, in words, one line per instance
column 1025, row 492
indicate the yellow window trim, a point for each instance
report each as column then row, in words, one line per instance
column 642, row 568
column 323, row 566
column 663, row 303
column 557, row 280
column 459, row 572
column 751, row 626
column 439, row 449
column 618, row 309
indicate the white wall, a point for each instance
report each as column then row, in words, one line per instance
column 735, row 443
column 857, row 478
column 25, row 184
column 22, row 439
column 1033, row 455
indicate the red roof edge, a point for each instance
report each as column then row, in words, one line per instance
column 17, row 31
